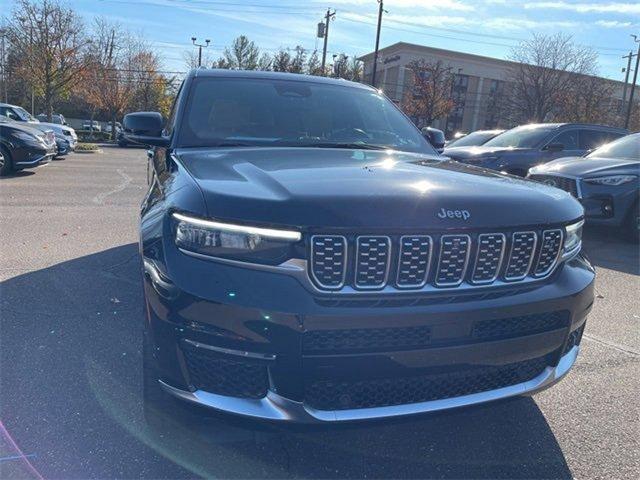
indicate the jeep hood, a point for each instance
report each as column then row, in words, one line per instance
column 334, row 188
column 588, row 166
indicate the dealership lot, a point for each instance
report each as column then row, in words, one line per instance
column 70, row 333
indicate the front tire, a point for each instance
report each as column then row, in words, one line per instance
column 6, row 163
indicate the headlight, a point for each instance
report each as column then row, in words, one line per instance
column 29, row 139
column 236, row 242
column 572, row 240
column 612, row 180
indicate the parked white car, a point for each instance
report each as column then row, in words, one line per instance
column 65, row 137
column 92, row 125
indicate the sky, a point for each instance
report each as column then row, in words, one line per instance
column 485, row 27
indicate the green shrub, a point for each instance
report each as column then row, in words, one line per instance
column 89, row 136
column 87, row 147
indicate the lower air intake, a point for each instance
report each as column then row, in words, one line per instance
column 335, row 395
column 211, row 373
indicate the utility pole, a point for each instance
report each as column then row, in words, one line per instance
column 633, row 85
column 200, row 47
column 375, row 53
column 329, row 16
column 626, row 76
column 4, row 66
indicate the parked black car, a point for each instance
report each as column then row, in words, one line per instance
column 607, row 182
column 23, row 147
column 517, row 150
column 473, row 139
column 308, row 257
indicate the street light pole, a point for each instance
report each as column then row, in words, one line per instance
column 200, row 47
column 633, row 85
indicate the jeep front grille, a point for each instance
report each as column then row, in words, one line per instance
column 415, row 262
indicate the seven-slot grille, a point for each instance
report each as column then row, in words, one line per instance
column 413, row 261
column 372, row 261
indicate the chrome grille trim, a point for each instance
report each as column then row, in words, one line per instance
column 343, row 240
column 500, row 259
column 553, row 264
column 400, row 261
column 359, row 240
column 443, row 239
column 511, row 278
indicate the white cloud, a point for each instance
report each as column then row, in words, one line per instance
column 411, row 20
column 440, row 5
column 492, row 23
column 613, row 24
column 509, row 23
column 617, row 7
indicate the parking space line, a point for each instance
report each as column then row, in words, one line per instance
column 615, row 346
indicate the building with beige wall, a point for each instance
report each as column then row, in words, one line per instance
column 478, row 83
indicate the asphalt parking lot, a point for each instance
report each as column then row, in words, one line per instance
column 70, row 356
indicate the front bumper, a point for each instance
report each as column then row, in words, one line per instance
column 276, row 407
column 263, row 330
column 33, row 157
column 603, row 205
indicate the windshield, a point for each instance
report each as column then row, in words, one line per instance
column 627, row 148
column 473, row 139
column 527, row 136
column 26, row 115
column 265, row 112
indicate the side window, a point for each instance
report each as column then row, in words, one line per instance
column 9, row 113
column 568, row 138
column 171, row 121
column 592, row 139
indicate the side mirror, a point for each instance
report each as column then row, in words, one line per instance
column 435, row 137
column 554, row 147
column 145, row 128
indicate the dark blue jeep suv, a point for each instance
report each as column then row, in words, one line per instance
column 308, row 256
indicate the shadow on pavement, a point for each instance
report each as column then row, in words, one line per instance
column 18, row 174
column 607, row 248
column 71, row 398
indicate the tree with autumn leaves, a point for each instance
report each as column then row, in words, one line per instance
column 429, row 95
column 55, row 58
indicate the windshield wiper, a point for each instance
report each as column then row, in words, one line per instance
column 358, row 146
